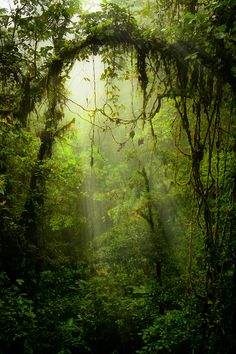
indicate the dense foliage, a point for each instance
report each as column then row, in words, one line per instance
column 117, row 207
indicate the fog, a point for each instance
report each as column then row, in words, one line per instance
column 121, row 154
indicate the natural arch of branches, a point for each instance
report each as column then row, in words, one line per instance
column 185, row 74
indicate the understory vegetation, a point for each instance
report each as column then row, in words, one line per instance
column 117, row 177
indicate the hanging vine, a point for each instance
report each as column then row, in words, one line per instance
column 195, row 79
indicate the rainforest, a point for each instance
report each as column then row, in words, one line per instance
column 117, row 177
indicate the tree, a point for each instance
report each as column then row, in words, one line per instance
column 183, row 62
